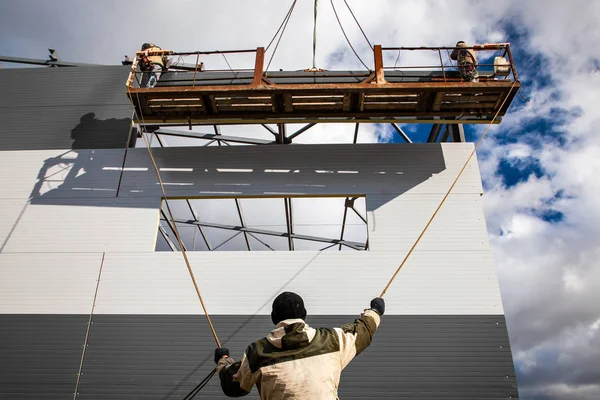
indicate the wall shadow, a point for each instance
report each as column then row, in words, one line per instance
column 92, row 168
column 381, row 171
column 94, row 133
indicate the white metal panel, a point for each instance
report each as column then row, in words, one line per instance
column 302, row 170
column 458, row 226
column 86, row 225
column 48, row 283
column 450, row 273
column 432, row 282
column 9, row 214
column 60, row 173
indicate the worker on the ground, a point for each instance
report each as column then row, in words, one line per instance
column 151, row 65
column 296, row 361
column 466, row 61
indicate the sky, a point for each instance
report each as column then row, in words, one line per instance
column 539, row 167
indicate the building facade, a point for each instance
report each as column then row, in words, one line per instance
column 89, row 309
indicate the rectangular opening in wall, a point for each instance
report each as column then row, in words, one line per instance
column 332, row 223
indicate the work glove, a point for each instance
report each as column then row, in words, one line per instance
column 220, row 353
column 378, row 305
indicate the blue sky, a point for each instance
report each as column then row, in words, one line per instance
column 539, row 167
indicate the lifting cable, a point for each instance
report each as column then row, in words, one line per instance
column 346, row 36
column 283, row 25
column 174, row 225
column 315, row 38
column 450, row 189
column 359, row 27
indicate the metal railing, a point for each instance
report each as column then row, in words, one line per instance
column 257, row 76
column 197, row 68
column 497, row 49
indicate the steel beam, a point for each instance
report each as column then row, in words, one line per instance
column 389, row 88
column 358, row 214
column 226, row 241
column 301, row 130
column 210, row 136
column 344, row 221
column 267, row 127
column 401, row 133
column 373, row 118
column 158, row 139
column 239, row 229
column 260, row 241
column 195, row 215
column 281, row 138
column 241, row 215
column 165, row 235
column 457, row 132
column 168, row 221
column 288, row 221
column 434, row 134
column 446, row 133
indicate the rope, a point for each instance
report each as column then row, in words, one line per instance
column 359, row 27
column 201, row 385
column 285, row 22
column 315, row 38
column 449, row 190
column 175, row 230
column 346, row 36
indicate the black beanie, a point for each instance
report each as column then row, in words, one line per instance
column 287, row 305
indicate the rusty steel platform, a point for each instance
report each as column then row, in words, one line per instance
column 236, row 97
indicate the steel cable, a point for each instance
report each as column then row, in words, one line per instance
column 359, row 27
column 284, row 24
column 346, row 36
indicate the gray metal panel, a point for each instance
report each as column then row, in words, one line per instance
column 163, row 357
column 40, row 355
column 63, row 108
column 61, row 87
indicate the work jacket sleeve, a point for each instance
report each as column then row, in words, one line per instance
column 236, row 377
column 454, row 54
column 357, row 336
column 227, row 368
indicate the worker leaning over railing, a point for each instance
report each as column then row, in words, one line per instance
column 466, row 61
column 152, row 66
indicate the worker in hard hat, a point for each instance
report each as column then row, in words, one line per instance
column 152, row 65
column 296, row 361
column 466, row 61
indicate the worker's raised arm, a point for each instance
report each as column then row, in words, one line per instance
column 357, row 336
column 230, row 372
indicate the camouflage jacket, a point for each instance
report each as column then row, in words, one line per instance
column 296, row 361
